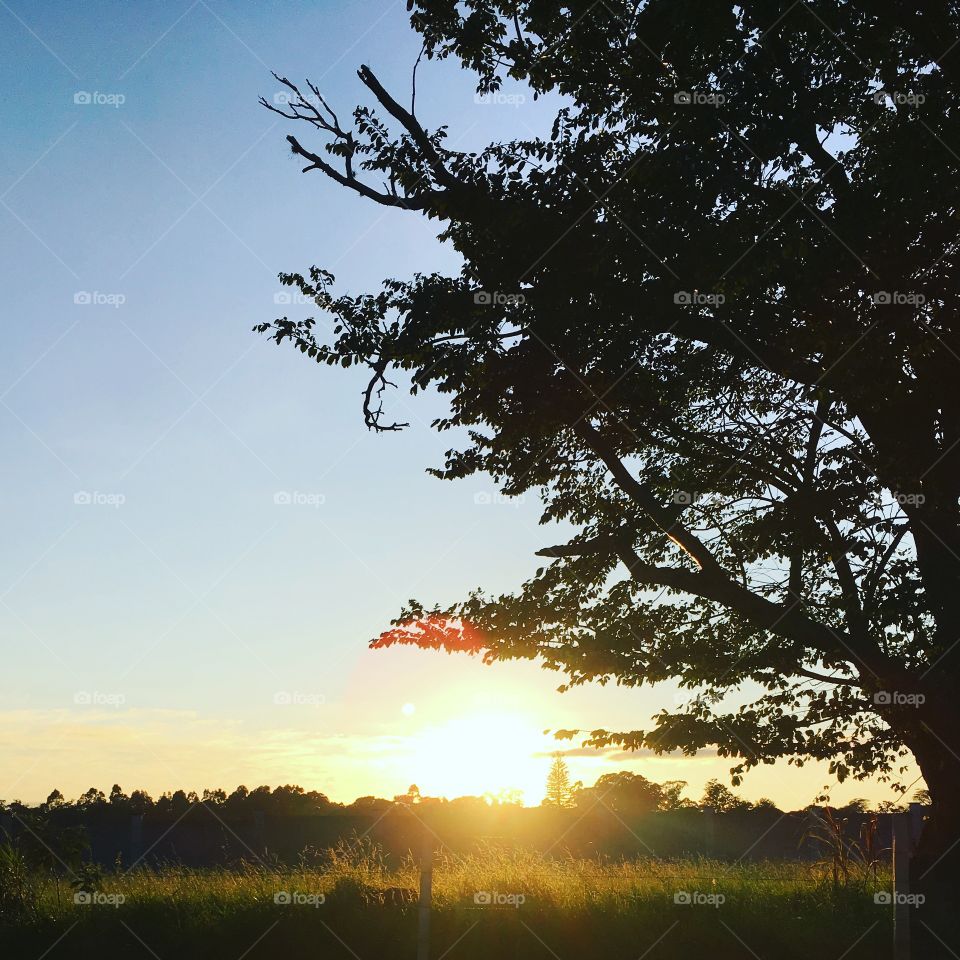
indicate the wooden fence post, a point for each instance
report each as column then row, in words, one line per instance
column 902, row 847
column 709, row 817
column 916, row 821
column 426, row 895
column 136, row 839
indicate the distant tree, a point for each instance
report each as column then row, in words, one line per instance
column 92, row 799
column 718, row 796
column 411, row 797
column 504, row 798
column 369, row 805
column 766, row 805
column 259, row 798
column 624, row 792
column 559, row 791
column 214, row 797
column 118, row 799
column 671, row 795
column 854, row 808
column 140, row 802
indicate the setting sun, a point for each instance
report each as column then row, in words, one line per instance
column 481, row 753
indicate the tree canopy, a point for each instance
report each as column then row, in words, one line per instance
column 711, row 320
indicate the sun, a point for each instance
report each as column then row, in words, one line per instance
column 479, row 753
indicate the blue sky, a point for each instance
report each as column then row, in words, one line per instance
column 157, row 604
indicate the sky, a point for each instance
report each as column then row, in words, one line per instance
column 200, row 535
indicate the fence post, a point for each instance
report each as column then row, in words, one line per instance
column 916, row 821
column 426, row 895
column 709, row 830
column 136, row 838
column 901, row 886
column 259, row 832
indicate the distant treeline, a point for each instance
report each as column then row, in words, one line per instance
column 625, row 793
column 621, row 815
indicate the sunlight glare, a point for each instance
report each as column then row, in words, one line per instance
column 482, row 753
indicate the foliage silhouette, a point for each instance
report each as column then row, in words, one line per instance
column 711, row 319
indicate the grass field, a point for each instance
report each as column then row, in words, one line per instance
column 496, row 903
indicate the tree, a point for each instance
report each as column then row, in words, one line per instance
column 559, row 791
column 410, row 798
column 717, row 796
column 671, row 797
column 711, row 318
column 623, row 792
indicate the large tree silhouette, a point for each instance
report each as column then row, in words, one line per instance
column 712, row 319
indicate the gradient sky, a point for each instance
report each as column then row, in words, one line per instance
column 158, row 608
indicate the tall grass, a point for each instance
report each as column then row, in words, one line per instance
column 349, row 902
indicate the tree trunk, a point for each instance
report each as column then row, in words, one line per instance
column 935, row 865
